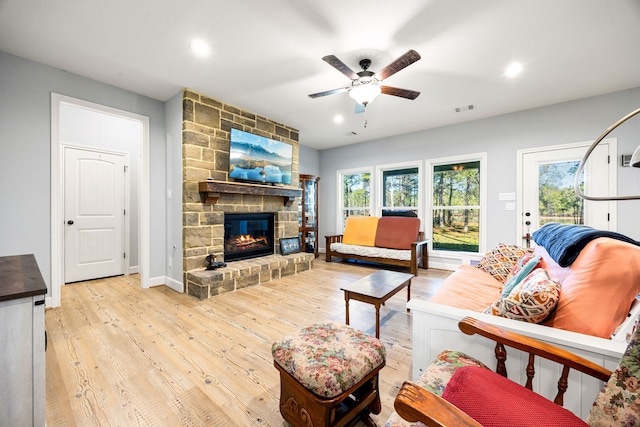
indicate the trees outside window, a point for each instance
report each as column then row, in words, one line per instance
column 456, row 206
column 356, row 194
column 400, row 190
column 557, row 199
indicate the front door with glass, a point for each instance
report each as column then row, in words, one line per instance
column 547, row 190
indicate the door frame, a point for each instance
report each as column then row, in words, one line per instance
column 126, row 240
column 613, row 178
column 57, row 202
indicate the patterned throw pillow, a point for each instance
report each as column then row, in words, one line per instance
column 619, row 401
column 500, row 260
column 525, row 265
column 531, row 301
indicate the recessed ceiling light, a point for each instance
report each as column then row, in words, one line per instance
column 513, row 69
column 200, row 48
column 338, row 118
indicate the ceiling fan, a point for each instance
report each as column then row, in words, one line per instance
column 365, row 85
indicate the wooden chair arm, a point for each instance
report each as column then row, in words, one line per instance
column 414, row 403
column 334, row 238
column 420, row 243
column 471, row 326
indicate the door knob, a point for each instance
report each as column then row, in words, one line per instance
column 70, row 222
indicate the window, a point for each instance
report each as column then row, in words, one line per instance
column 355, row 194
column 400, row 190
column 557, row 199
column 457, row 204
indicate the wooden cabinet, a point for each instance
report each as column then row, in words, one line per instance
column 22, row 340
column 308, row 214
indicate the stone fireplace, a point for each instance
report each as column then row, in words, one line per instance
column 209, row 196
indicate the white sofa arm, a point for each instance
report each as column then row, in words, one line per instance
column 435, row 328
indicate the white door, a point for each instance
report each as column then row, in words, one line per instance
column 547, row 188
column 93, row 214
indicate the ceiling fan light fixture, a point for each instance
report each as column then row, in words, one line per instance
column 365, row 93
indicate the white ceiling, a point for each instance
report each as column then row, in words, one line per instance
column 266, row 55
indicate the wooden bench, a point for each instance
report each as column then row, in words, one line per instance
column 419, row 254
column 391, row 240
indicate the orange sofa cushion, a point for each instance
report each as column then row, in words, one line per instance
column 396, row 232
column 360, row 230
column 470, row 288
column 599, row 288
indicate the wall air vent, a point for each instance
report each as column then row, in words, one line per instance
column 465, row 108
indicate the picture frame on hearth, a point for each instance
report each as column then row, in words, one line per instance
column 289, row 245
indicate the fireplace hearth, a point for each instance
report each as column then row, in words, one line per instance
column 248, row 235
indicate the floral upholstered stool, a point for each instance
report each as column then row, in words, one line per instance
column 329, row 375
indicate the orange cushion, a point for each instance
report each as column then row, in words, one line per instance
column 599, row 289
column 360, row 230
column 396, row 232
column 470, row 288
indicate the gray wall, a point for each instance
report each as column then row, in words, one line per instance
column 309, row 160
column 25, row 155
column 501, row 136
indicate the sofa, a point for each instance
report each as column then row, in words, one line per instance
column 387, row 240
column 593, row 313
column 458, row 390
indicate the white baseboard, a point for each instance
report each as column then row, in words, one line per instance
column 176, row 285
column 451, row 260
column 134, row 269
column 440, row 265
column 157, row 281
column 167, row 281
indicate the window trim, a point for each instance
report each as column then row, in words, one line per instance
column 379, row 184
column 430, row 164
column 340, row 192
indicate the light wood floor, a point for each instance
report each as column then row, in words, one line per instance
column 119, row 355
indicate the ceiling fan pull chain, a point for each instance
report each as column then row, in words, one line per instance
column 365, row 116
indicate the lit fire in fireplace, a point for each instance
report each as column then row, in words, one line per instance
column 246, row 241
column 248, row 235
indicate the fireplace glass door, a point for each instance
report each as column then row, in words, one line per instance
column 248, row 235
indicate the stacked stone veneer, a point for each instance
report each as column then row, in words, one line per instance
column 206, row 125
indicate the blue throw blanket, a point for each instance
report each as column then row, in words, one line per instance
column 564, row 242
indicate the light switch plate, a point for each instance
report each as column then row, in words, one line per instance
column 506, row 196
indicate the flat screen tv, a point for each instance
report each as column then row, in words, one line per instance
column 255, row 158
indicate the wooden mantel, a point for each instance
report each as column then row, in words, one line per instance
column 211, row 190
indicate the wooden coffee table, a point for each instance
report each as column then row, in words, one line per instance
column 375, row 289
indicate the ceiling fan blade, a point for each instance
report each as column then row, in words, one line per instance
column 404, row 61
column 329, row 92
column 340, row 66
column 359, row 108
column 396, row 91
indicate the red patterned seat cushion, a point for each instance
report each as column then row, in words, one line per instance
column 494, row 400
